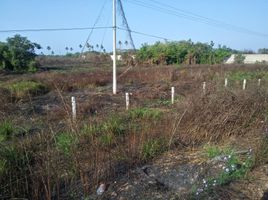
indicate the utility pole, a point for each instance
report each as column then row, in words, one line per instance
column 114, row 46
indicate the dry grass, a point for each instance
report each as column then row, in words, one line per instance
column 64, row 159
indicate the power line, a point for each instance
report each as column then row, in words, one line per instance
column 171, row 10
column 125, row 23
column 145, row 34
column 217, row 22
column 97, row 20
column 54, row 29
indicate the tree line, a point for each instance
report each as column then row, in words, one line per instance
column 18, row 53
column 186, row 52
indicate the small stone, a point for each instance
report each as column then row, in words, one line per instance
column 101, row 189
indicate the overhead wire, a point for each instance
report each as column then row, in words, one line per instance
column 218, row 22
column 145, row 34
column 97, row 20
column 171, row 10
column 54, row 29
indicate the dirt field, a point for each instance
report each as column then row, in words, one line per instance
column 155, row 150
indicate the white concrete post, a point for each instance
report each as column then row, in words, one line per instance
column 127, row 101
column 172, row 95
column 225, row 82
column 259, row 82
column 244, row 84
column 73, row 108
column 114, row 48
column 204, row 87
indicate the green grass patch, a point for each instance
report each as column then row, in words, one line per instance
column 212, row 151
column 145, row 113
column 234, row 167
column 106, row 139
column 24, row 88
column 65, row 142
column 249, row 75
column 153, row 148
column 7, row 129
column 12, row 159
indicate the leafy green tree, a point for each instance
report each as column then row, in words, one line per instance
column 18, row 53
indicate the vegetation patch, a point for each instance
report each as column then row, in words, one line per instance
column 22, row 89
column 6, row 130
column 233, row 167
column 249, row 75
column 65, row 142
column 153, row 148
column 145, row 113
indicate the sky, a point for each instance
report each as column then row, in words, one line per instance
column 239, row 24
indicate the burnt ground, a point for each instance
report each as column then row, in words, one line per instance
column 171, row 175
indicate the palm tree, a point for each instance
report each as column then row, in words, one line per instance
column 71, row 48
column 120, row 44
column 126, row 43
column 67, row 48
column 80, row 46
column 52, row 53
column 48, row 48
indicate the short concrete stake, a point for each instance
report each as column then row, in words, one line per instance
column 127, row 101
column 226, row 82
column 244, row 84
column 259, row 82
column 204, row 87
column 172, row 95
column 73, row 108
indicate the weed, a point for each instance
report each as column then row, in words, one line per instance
column 213, row 151
column 234, row 168
column 145, row 113
column 241, row 75
column 114, row 125
column 65, row 142
column 106, row 139
column 6, row 130
column 23, row 88
column 152, row 148
column 262, row 152
column 91, row 130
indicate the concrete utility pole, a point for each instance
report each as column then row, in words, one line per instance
column 114, row 46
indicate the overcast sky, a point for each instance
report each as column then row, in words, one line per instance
column 239, row 24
